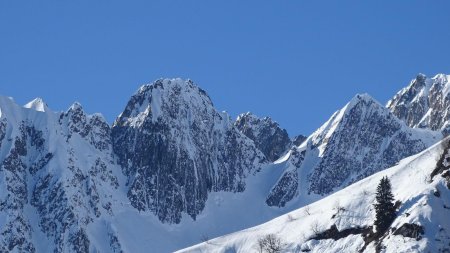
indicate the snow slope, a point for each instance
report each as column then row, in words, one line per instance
column 352, row 207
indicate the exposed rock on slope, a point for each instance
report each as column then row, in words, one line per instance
column 298, row 140
column 55, row 177
column 268, row 136
column 175, row 148
column 286, row 188
column 358, row 140
column 425, row 103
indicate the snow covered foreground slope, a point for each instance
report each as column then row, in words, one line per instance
column 425, row 201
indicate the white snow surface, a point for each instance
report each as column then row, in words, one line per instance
column 412, row 186
column 37, row 104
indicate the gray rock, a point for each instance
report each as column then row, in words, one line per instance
column 269, row 137
column 425, row 103
column 175, row 148
column 298, row 140
column 410, row 230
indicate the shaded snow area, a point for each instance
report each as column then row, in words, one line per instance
column 425, row 202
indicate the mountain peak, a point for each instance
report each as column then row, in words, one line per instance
column 76, row 107
column 171, row 133
column 161, row 98
column 267, row 135
column 37, row 104
column 342, row 143
column 421, row 76
column 362, row 97
column 362, row 100
column 424, row 102
column 170, row 83
column 441, row 78
column 246, row 115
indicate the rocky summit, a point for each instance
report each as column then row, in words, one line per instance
column 425, row 103
column 175, row 148
column 357, row 141
column 267, row 135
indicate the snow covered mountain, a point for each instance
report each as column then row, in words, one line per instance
column 173, row 171
column 175, row 148
column 267, row 135
column 359, row 140
column 57, row 174
column 343, row 221
column 425, row 103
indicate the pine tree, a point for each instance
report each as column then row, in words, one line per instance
column 384, row 207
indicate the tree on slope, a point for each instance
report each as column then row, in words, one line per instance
column 384, row 206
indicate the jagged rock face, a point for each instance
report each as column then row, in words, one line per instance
column 13, row 177
column 2, row 131
column 46, row 171
column 175, row 148
column 93, row 128
column 361, row 139
column 298, row 140
column 268, row 136
column 287, row 186
column 358, row 141
column 424, row 103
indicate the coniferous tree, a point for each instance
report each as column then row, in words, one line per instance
column 384, row 206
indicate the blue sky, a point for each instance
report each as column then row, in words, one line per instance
column 296, row 61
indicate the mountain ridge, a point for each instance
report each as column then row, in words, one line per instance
column 175, row 168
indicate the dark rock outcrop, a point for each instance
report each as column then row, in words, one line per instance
column 269, row 137
column 175, row 148
column 410, row 230
column 287, row 186
column 299, row 139
column 335, row 234
column 361, row 139
column 425, row 103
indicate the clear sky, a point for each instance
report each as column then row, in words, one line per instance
column 296, row 61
